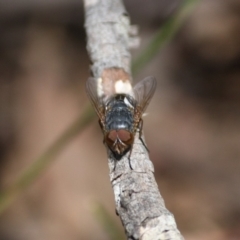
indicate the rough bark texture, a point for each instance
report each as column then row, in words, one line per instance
column 138, row 201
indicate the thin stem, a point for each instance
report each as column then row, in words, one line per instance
column 164, row 35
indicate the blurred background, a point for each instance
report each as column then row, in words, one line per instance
column 192, row 129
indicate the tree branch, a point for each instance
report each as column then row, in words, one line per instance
column 138, row 201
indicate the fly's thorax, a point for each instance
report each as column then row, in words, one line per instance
column 119, row 113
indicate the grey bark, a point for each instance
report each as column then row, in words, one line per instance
column 138, row 201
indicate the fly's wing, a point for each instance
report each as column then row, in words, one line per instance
column 97, row 102
column 143, row 92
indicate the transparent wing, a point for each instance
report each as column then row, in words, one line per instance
column 97, row 102
column 144, row 91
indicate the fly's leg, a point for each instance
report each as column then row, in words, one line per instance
column 115, row 164
column 113, row 158
column 101, row 126
column 140, row 127
column 129, row 158
column 104, row 142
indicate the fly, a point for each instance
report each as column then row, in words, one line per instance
column 120, row 115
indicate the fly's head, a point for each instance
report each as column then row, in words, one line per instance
column 119, row 142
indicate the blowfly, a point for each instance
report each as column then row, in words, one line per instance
column 120, row 115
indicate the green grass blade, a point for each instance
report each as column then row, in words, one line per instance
column 164, row 35
column 42, row 162
column 108, row 223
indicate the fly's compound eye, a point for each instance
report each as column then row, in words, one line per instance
column 112, row 136
column 123, row 135
column 119, row 141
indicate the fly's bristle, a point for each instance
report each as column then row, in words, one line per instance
column 127, row 102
